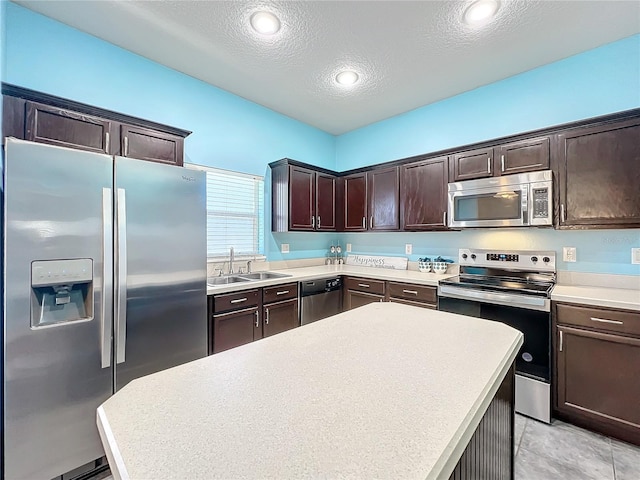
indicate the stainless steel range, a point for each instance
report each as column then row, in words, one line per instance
column 513, row 287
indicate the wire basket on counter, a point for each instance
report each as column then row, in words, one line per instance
column 437, row 265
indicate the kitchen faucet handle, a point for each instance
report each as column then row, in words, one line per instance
column 249, row 262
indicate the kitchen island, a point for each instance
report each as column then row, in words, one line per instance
column 381, row 391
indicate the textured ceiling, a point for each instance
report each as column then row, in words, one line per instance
column 408, row 54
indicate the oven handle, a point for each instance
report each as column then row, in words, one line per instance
column 532, row 303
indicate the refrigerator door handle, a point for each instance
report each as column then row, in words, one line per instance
column 107, row 278
column 121, row 288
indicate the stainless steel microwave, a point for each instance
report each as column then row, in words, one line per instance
column 521, row 200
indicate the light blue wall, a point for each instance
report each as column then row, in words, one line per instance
column 3, row 41
column 233, row 133
column 604, row 251
column 228, row 131
column 597, row 82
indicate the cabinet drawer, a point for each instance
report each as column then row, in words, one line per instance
column 365, row 285
column 279, row 293
column 409, row 291
column 617, row 321
column 233, row 301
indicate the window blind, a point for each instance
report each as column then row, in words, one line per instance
column 235, row 212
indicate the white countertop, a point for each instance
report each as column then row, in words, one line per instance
column 326, row 271
column 382, row 391
column 628, row 299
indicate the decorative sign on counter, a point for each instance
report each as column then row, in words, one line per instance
column 394, row 263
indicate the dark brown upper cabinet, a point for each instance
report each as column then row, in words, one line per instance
column 326, row 202
column 383, row 192
column 302, row 193
column 303, row 199
column 423, row 194
column 371, row 200
column 355, row 202
column 43, row 118
column 598, row 171
column 151, row 145
column 523, row 156
column 505, row 159
column 66, row 128
column 472, row 164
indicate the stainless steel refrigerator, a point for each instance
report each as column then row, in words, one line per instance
column 104, row 281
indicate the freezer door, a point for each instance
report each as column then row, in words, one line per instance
column 57, row 207
column 161, row 261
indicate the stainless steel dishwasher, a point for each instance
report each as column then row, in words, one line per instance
column 320, row 299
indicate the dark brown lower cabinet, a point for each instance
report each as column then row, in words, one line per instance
column 598, row 370
column 241, row 317
column 415, row 295
column 362, row 291
column 235, row 328
column 355, row 299
column 279, row 317
column 490, row 452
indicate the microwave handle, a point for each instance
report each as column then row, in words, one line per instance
column 525, row 205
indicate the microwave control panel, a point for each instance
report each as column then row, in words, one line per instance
column 540, row 202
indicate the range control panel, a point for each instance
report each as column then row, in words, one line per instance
column 535, row 260
column 503, row 257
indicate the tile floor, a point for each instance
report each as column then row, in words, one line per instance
column 561, row 451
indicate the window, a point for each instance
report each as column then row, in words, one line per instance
column 235, row 212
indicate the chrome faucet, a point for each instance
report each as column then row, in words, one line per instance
column 231, row 261
column 249, row 266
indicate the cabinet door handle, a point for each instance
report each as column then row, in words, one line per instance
column 318, row 221
column 562, row 216
column 606, row 320
column 266, row 316
column 313, row 221
column 413, row 292
column 364, row 285
column 282, row 292
column 106, row 142
column 239, row 300
column 488, row 164
column 126, row 146
column 364, row 223
column 561, row 340
column 371, row 223
column 444, row 218
column 257, row 319
column 502, row 163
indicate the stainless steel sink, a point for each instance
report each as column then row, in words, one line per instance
column 262, row 275
column 225, row 280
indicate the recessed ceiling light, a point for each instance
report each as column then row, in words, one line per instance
column 347, row 77
column 480, row 11
column 265, row 23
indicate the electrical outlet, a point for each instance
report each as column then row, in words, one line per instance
column 569, row 254
column 408, row 249
column 284, row 247
column 348, row 247
column 635, row 255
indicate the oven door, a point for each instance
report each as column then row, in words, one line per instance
column 534, row 358
column 495, row 206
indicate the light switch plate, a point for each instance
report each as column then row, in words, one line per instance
column 408, row 249
column 348, row 247
column 569, row 254
column 635, row 256
column 284, row 247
